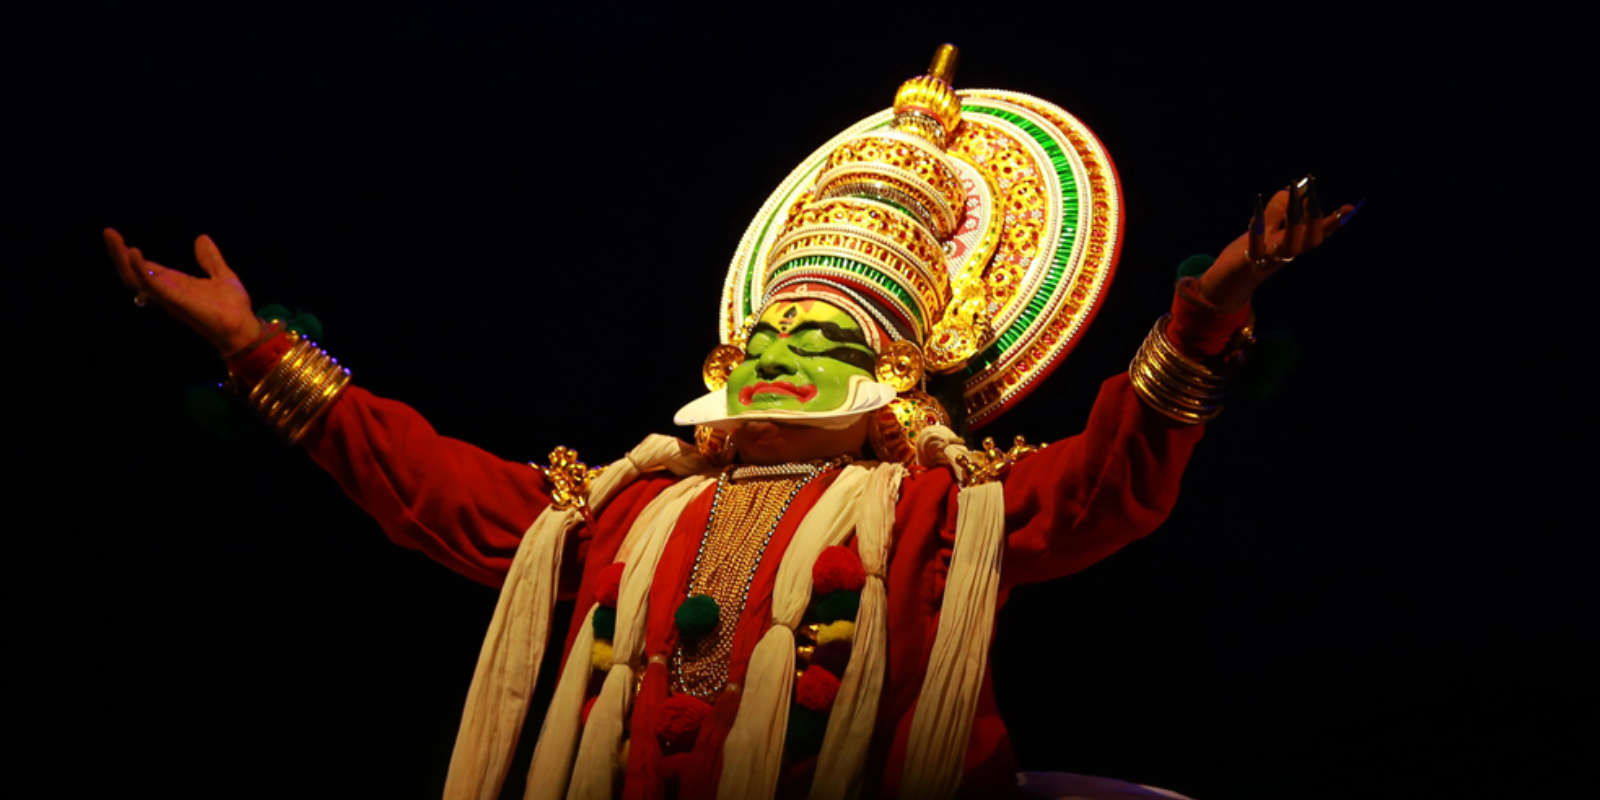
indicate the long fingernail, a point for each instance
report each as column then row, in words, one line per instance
column 1258, row 218
column 1345, row 218
column 1295, row 211
column 1313, row 203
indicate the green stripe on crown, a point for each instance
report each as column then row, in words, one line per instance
column 872, row 198
column 1069, row 230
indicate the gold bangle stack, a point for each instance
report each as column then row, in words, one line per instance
column 302, row 385
column 1178, row 386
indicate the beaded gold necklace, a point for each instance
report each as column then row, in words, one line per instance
column 746, row 511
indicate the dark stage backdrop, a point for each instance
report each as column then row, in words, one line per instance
column 517, row 220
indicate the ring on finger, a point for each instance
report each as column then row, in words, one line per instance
column 1270, row 260
column 141, row 298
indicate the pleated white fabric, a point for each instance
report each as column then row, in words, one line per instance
column 559, row 733
column 508, row 663
column 855, row 708
column 753, row 752
column 592, row 773
column 942, row 724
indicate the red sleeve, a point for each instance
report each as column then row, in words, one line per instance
column 1083, row 498
column 461, row 506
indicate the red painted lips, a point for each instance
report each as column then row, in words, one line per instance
column 804, row 393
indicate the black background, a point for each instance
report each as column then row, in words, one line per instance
column 517, row 219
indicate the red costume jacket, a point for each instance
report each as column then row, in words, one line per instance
column 1067, row 507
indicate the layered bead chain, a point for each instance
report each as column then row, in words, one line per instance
column 744, row 516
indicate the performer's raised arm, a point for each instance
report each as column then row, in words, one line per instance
column 464, row 507
column 1085, row 497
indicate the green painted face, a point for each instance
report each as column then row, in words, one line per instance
column 801, row 357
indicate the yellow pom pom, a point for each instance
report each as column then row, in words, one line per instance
column 600, row 656
column 843, row 630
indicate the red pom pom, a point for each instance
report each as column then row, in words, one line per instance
column 816, row 689
column 587, row 707
column 837, row 568
column 609, row 585
column 678, row 719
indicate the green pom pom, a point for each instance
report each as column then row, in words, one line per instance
column 215, row 410
column 605, row 622
column 1269, row 362
column 272, row 312
column 1195, row 266
column 304, row 323
column 697, row 615
column 842, row 604
column 307, row 325
column 806, row 729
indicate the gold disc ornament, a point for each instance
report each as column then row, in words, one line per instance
column 722, row 361
column 900, row 366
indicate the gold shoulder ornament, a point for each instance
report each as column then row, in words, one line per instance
column 988, row 464
column 569, row 479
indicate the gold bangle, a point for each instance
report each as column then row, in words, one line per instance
column 269, row 383
column 298, row 389
column 1175, row 403
column 325, row 381
column 324, row 389
column 1179, row 387
column 1174, row 360
column 331, row 391
column 290, row 386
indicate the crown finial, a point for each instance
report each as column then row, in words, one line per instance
column 927, row 106
column 943, row 66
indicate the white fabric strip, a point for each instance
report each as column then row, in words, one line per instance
column 942, row 724
column 558, row 736
column 855, row 708
column 753, row 752
column 603, row 734
column 508, row 663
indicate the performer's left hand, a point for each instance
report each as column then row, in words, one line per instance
column 1292, row 224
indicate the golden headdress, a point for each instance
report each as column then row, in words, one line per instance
column 980, row 226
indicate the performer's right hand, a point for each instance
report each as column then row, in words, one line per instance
column 216, row 307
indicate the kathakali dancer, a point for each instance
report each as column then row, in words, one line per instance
column 800, row 603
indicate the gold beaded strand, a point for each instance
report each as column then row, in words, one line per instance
column 744, row 516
